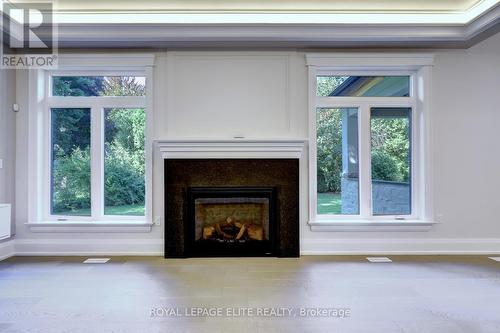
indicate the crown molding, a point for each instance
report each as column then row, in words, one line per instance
column 277, row 35
column 482, row 23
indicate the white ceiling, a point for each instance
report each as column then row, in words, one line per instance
column 405, row 12
column 268, row 5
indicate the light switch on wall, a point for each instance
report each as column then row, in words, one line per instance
column 1, row 163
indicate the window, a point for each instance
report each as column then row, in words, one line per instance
column 337, row 161
column 97, row 147
column 70, row 161
column 365, row 86
column 391, row 160
column 367, row 140
column 338, row 132
column 98, row 86
column 124, row 164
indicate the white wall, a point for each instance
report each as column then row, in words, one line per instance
column 7, row 135
column 466, row 120
column 264, row 95
column 214, row 95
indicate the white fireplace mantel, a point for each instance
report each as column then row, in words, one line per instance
column 285, row 148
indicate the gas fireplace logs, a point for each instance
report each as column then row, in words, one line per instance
column 255, row 232
column 241, row 232
column 230, row 230
column 208, row 232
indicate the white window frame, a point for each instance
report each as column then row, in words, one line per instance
column 417, row 67
column 41, row 103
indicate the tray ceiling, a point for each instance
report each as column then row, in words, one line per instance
column 274, row 23
column 268, row 5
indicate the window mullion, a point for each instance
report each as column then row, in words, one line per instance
column 97, row 161
column 365, row 192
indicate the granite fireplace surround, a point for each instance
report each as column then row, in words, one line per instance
column 183, row 174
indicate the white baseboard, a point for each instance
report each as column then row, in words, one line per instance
column 154, row 247
column 7, row 249
column 84, row 247
column 437, row 246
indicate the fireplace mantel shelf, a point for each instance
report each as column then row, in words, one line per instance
column 283, row 148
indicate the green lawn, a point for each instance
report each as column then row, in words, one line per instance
column 329, row 203
column 130, row 210
column 135, row 210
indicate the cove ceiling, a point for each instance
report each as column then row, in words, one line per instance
column 274, row 23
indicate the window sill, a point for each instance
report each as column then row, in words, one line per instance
column 96, row 226
column 371, row 226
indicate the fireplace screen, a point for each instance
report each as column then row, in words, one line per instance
column 231, row 221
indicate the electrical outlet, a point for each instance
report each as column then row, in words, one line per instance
column 157, row 220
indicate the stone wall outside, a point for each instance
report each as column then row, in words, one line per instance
column 389, row 198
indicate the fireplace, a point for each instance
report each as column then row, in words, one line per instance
column 231, row 221
column 231, row 207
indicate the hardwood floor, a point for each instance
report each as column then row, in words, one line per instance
column 439, row 294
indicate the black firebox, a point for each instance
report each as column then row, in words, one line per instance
column 231, row 221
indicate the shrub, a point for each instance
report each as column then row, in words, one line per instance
column 384, row 167
column 124, row 179
column 71, row 181
column 124, row 176
column 125, row 167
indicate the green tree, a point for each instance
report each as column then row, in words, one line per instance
column 329, row 137
column 70, row 160
column 77, row 85
column 325, row 85
column 390, row 136
column 123, row 86
column 124, row 147
column 329, row 149
column 70, row 130
column 124, row 156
